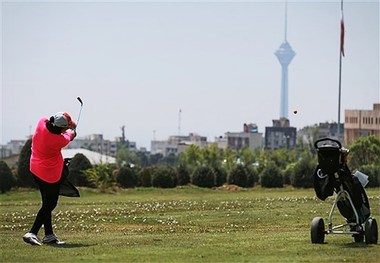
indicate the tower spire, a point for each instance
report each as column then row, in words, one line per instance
column 284, row 54
column 286, row 20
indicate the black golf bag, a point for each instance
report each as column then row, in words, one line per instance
column 66, row 187
column 332, row 174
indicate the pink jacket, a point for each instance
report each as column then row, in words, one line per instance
column 46, row 161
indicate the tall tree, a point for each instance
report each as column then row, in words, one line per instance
column 6, row 177
column 364, row 151
column 211, row 156
column 24, row 176
column 78, row 164
column 192, row 157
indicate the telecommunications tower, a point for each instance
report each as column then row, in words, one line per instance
column 284, row 54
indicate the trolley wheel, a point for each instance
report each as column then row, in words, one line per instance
column 317, row 230
column 358, row 238
column 371, row 233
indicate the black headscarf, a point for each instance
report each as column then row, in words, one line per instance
column 52, row 128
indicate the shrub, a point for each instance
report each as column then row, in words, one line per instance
column 126, row 177
column 239, row 175
column 220, row 176
column 303, row 171
column 164, row 177
column 6, row 177
column 100, row 176
column 78, row 164
column 145, row 176
column 271, row 176
column 183, row 175
column 253, row 177
column 203, row 176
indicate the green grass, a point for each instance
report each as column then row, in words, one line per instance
column 186, row 224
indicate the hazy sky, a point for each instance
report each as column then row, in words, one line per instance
column 139, row 63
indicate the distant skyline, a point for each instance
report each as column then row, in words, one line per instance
column 139, row 64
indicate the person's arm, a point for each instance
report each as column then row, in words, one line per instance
column 69, row 135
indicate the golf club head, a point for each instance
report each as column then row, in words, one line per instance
column 80, row 111
column 80, row 100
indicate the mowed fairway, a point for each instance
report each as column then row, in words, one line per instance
column 186, row 224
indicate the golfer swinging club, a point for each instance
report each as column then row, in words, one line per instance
column 46, row 165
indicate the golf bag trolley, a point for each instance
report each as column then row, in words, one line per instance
column 333, row 175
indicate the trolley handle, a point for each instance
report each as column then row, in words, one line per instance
column 327, row 140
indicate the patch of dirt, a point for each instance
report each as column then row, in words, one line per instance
column 229, row 187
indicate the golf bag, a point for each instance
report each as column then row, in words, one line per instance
column 332, row 174
column 66, row 187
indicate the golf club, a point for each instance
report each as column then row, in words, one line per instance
column 80, row 111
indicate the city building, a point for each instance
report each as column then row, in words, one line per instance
column 280, row 135
column 97, row 143
column 359, row 123
column 248, row 138
column 11, row 148
column 177, row 144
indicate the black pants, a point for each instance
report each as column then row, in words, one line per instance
column 49, row 195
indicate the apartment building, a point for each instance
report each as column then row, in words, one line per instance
column 359, row 123
column 177, row 144
column 280, row 135
column 248, row 138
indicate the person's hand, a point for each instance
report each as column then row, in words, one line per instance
column 73, row 125
column 74, row 134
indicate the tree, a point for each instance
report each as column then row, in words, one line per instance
column 156, row 158
column 287, row 174
column 281, row 157
column 211, row 156
column 124, row 157
column 364, row 151
column 24, row 176
column 310, row 135
column 6, row 177
column 247, row 157
column 78, row 164
column 229, row 159
column 144, row 158
column 192, row 157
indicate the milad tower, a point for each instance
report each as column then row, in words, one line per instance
column 284, row 54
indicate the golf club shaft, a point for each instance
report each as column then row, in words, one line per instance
column 80, row 110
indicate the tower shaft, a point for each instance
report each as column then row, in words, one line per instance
column 284, row 54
